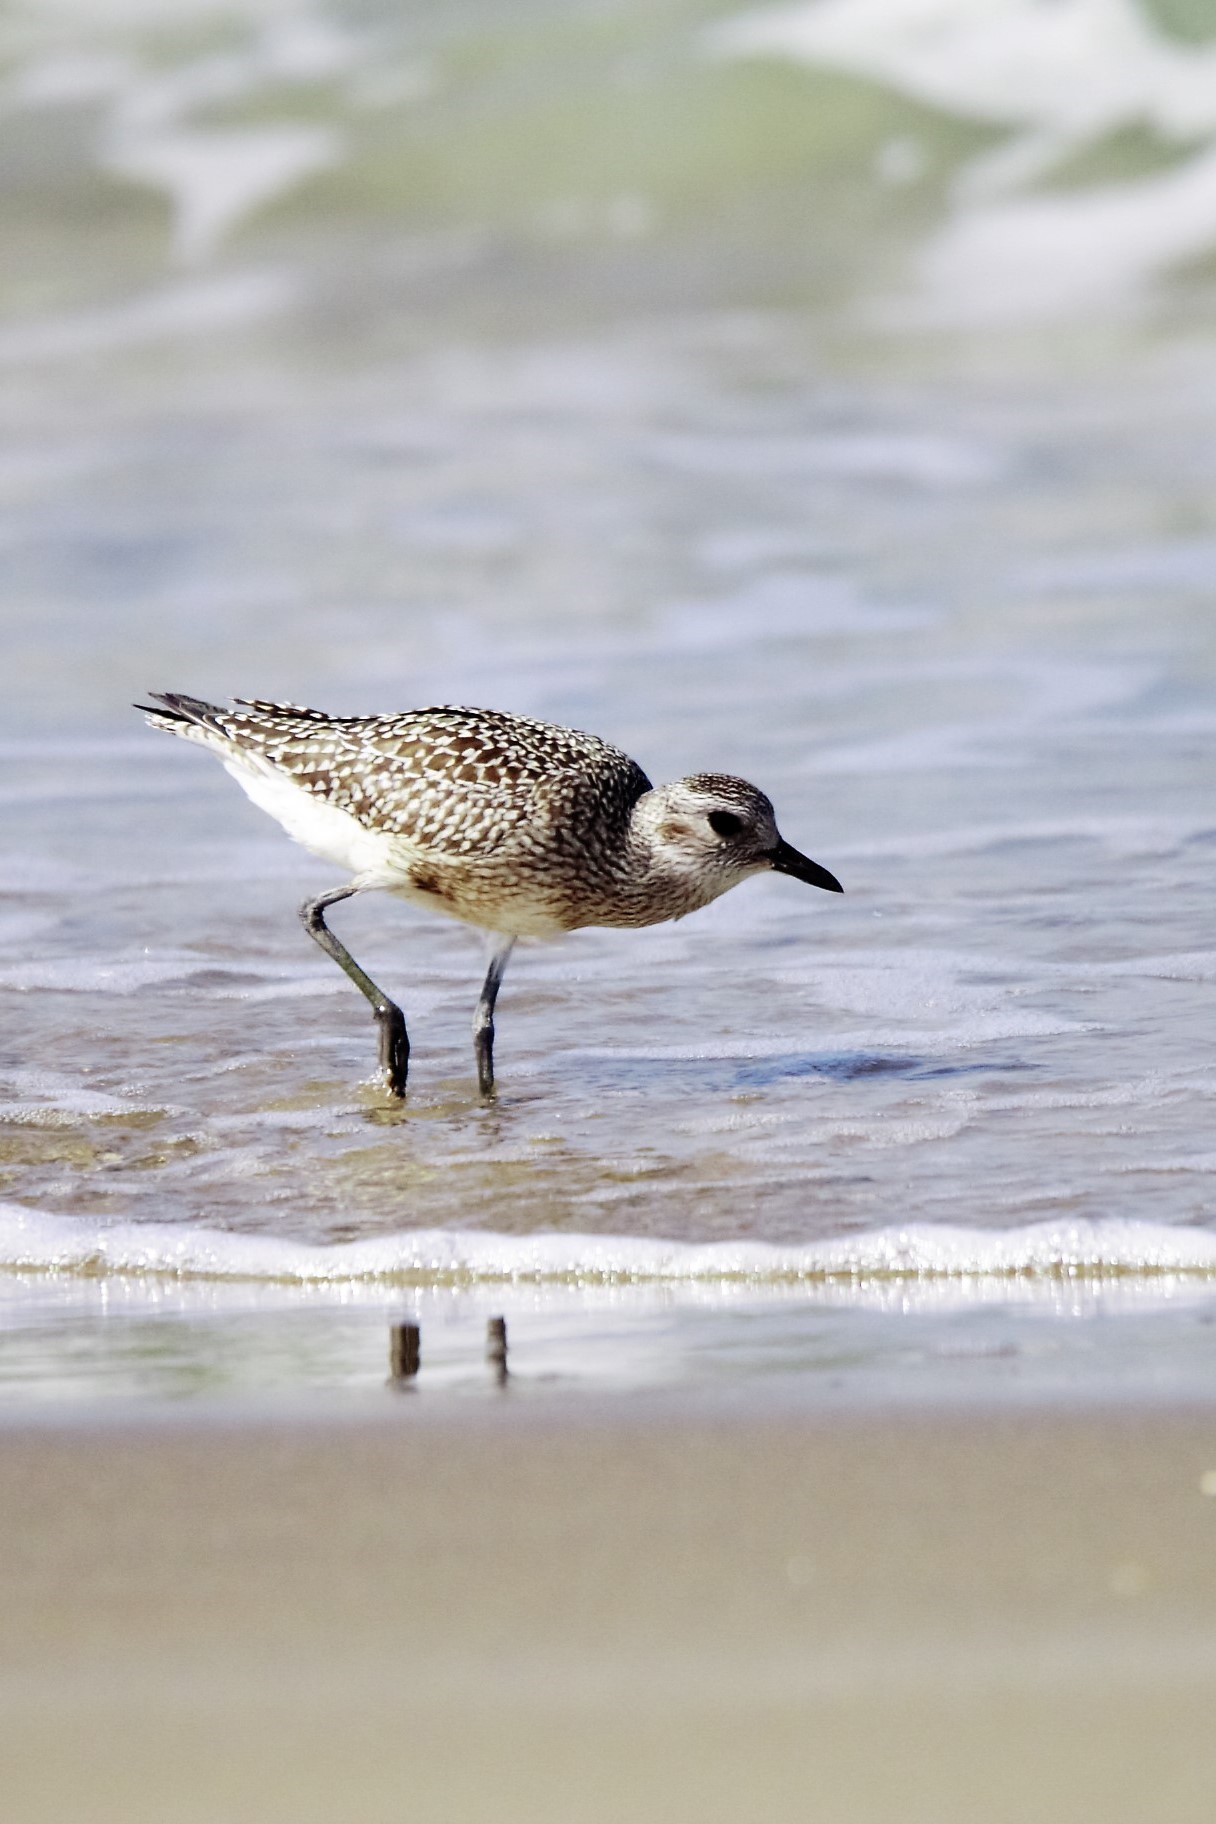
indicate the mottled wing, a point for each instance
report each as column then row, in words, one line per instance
column 455, row 780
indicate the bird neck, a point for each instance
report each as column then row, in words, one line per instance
column 652, row 880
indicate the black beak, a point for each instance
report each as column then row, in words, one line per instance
column 787, row 860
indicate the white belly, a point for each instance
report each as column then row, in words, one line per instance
column 321, row 828
column 372, row 859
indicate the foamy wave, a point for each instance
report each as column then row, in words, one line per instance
column 1059, row 80
column 215, row 179
column 33, row 1241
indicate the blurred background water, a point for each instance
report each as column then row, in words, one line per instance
column 824, row 394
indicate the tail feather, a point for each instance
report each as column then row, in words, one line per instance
column 192, row 720
column 248, row 731
column 178, row 708
column 170, row 706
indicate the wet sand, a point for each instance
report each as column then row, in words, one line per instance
column 607, row 1610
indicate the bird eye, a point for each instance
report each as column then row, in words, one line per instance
column 725, row 823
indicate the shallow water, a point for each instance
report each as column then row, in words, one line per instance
column 479, row 398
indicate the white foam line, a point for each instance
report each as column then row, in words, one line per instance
column 33, row 1241
column 214, row 179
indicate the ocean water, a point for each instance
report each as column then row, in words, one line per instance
column 824, row 395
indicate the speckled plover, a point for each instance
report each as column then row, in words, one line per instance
column 517, row 826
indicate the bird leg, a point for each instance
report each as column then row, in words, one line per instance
column 483, row 1019
column 394, row 1041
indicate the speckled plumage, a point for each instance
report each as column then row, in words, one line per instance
column 456, row 779
column 518, row 826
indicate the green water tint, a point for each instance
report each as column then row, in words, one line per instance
column 557, row 166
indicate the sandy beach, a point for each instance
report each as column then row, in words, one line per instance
column 606, row 1610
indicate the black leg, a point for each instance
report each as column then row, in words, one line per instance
column 394, row 1042
column 483, row 1019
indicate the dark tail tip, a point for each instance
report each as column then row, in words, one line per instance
column 172, row 706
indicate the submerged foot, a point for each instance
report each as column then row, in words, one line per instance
column 483, row 1046
column 394, row 1047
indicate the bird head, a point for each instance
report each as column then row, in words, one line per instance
column 719, row 830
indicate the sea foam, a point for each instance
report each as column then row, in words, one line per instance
column 1055, row 81
column 31, row 1240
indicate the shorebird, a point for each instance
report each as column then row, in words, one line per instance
column 519, row 827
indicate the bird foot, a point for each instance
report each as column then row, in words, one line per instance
column 484, row 1049
column 394, row 1047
